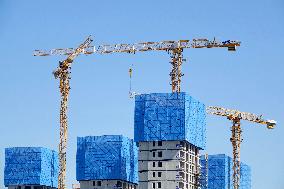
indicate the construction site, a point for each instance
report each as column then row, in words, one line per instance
column 171, row 131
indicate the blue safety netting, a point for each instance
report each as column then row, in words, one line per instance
column 220, row 173
column 169, row 116
column 107, row 157
column 31, row 166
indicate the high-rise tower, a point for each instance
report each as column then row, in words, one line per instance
column 170, row 131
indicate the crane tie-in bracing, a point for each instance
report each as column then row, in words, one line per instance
column 236, row 116
column 174, row 48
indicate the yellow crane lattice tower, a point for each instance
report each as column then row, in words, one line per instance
column 236, row 138
column 63, row 73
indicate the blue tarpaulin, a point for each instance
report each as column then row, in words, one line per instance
column 31, row 166
column 107, row 157
column 220, row 173
column 170, row 116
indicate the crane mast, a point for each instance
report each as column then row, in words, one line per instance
column 236, row 133
column 63, row 73
column 176, row 74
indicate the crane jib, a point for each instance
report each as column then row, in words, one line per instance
column 136, row 47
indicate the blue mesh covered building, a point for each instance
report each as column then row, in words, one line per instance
column 220, row 172
column 170, row 117
column 107, row 157
column 170, row 130
column 31, row 166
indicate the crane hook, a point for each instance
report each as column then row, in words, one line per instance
column 130, row 81
column 130, row 72
column 131, row 93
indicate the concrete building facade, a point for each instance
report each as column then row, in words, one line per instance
column 107, row 184
column 168, row 165
column 30, row 187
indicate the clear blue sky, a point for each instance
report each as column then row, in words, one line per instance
column 250, row 79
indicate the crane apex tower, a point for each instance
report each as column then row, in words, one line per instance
column 170, row 130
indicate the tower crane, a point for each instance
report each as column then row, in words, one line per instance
column 174, row 48
column 236, row 138
column 63, row 74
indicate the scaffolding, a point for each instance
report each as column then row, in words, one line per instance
column 31, row 166
column 220, row 175
column 107, row 157
column 169, row 117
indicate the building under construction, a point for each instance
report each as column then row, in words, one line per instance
column 106, row 162
column 169, row 132
column 217, row 173
column 30, row 168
